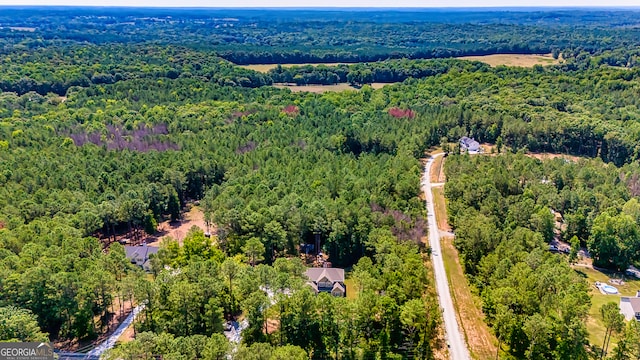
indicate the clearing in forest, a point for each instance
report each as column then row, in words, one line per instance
column 521, row 60
column 551, row 156
column 179, row 229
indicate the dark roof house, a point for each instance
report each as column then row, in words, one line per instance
column 330, row 280
column 469, row 144
column 140, row 255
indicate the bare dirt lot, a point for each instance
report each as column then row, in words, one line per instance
column 178, row 229
column 520, row 60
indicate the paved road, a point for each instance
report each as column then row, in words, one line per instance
column 457, row 346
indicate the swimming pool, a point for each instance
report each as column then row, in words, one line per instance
column 608, row 289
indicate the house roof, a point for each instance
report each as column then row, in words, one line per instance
column 313, row 286
column 332, row 274
column 469, row 142
column 338, row 286
column 633, row 301
column 141, row 252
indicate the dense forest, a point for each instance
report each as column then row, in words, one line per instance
column 112, row 122
column 503, row 222
column 255, row 36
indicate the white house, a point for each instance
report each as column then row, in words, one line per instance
column 630, row 307
column 469, row 144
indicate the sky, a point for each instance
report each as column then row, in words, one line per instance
column 332, row 3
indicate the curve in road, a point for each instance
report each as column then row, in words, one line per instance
column 457, row 345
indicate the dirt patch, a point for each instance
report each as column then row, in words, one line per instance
column 481, row 341
column 520, row 60
column 179, row 229
column 128, row 335
column 490, row 148
column 272, row 326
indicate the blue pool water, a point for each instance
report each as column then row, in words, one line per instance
column 608, row 289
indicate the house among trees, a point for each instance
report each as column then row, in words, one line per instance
column 630, row 307
column 329, row 280
column 469, row 144
column 140, row 255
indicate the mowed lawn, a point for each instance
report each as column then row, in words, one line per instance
column 352, row 290
column 594, row 322
column 520, row 60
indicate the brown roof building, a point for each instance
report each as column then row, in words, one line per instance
column 329, row 280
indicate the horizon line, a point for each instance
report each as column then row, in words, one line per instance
column 519, row 7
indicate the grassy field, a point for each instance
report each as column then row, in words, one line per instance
column 325, row 88
column 263, row 68
column 594, row 324
column 520, row 60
